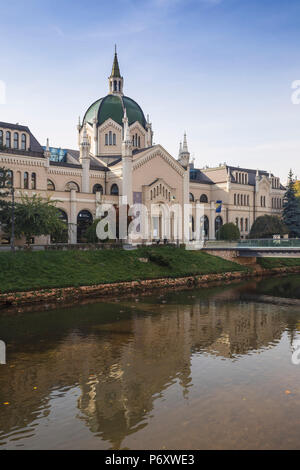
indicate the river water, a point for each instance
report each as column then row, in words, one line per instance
column 198, row 369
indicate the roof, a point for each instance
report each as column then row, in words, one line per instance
column 220, row 175
column 34, row 144
column 112, row 106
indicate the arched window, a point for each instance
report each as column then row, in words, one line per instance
column 98, row 189
column 33, row 180
column 23, row 142
column 242, row 224
column 235, row 199
column 115, row 85
column 1, row 138
column 26, row 180
column 114, row 190
column 84, row 220
column 10, row 178
column 63, row 236
column 50, row 185
column 114, row 139
column 16, row 140
column 106, row 139
column 72, row 186
column 192, row 197
column 203, row 198
column 238, row 199
column 218, row 225
column 246, row 225
column 139, row 142
column 110, row 138
column 248, row 201
column 8, row 139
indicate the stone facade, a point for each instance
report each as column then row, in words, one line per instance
column 116, row 157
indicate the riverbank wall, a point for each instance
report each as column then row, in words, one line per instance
column 69, row 295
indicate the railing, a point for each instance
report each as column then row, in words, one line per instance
column 254, row 243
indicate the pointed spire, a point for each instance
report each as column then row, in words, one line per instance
column 126, row 137
column 115, row 72
column 47, row 145
column 84, row 135
column 180, row 149
column 185, row 147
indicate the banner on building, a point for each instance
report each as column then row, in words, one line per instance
column 218, row 206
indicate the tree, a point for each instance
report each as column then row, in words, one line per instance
column 297, row 189
column 229, row 232
column 5, row 189
column 35, row 217
column 266, row 226
column 291, row 208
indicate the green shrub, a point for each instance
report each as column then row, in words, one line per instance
column 229, row 232
column 266, row 226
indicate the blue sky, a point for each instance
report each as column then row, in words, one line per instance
column 220, row 69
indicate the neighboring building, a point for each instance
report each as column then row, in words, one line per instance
column 116, row 157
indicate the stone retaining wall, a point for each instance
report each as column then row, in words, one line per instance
column 60, row 295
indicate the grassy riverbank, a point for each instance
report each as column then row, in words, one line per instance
column 270, row 263
column 25, row 271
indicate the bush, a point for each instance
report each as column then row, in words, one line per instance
column 229, row 232
column 266, row 226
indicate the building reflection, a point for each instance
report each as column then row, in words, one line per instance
column 122, row 367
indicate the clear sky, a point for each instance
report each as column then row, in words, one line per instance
column 220, row 69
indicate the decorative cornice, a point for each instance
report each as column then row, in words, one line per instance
column 158, row 151
column 137, row 124
column 110, row 122
column 13, row 159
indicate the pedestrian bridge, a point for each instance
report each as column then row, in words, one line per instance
column 261, row 248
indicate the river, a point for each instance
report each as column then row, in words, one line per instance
column 198, row 369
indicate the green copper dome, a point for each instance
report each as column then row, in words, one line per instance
column 112, row 106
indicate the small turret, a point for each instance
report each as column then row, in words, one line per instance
column 184, row 154
column 126, row 142
column 47, row 153
column 115, row 80
column 85, row 161
column 149, row 138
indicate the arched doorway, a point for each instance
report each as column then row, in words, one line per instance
column 205, row 227
column 192, row 228
column 84, row 220
column 218, row 225
column 61, row 237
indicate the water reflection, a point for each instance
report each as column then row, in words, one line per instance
column 105, row 375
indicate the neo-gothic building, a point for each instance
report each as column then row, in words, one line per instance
column 116, row 157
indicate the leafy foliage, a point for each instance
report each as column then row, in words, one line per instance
column 34, row 217
column 266, row 226
column 229, row 232
column 291, row 209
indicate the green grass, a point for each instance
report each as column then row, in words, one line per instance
column 46, row 269
column 269, row 263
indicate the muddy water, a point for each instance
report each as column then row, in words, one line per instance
column 202, row 369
